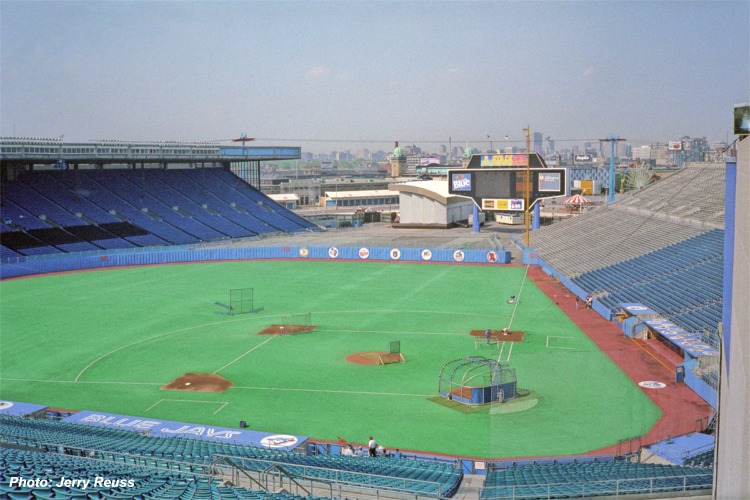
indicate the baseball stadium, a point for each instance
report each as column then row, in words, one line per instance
column 169, row 331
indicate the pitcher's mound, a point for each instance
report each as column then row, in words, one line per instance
column 198, row 382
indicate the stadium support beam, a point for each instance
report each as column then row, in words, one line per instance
column 612, row 139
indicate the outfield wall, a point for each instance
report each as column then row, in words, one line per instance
column 173, row 255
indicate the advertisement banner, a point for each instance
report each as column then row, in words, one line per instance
column 503, row 160
column 508, row 205
column 637, row 309
column 19, row 409
column 691, row 343
column 166, row 428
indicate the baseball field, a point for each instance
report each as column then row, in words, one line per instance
column 111, row 340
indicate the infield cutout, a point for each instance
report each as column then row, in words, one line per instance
column 498, row 336
column 286, row 329
column 373, row 358
column 198, row 382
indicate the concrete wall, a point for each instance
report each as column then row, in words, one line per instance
column 732, row 479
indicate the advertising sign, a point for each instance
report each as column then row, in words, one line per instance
column 503, row 160
column 461, row 182
column 166, row 428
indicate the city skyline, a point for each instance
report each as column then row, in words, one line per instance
column 351, row 75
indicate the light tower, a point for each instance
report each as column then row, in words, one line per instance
column 612, row 139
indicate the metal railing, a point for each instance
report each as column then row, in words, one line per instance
column 611, row 487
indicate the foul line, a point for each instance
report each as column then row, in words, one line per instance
column 250, row 388
column 224, row 403
column 78, row 382
column 144, row 340
column 515, row 307
column 245, row 354
column 364, row 393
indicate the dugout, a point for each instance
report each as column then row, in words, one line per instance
column 477, row 380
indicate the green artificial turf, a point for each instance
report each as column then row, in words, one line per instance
column 108, row 340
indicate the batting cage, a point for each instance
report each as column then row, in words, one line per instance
column 241, row 301
column 477, row 380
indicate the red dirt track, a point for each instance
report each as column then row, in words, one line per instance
column 683, row 410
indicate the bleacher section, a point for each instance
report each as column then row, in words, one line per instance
column 415, row 476
column 591, row 479
column 666, row 279
column 71, row 211
column 125, row 480
column 662, row 246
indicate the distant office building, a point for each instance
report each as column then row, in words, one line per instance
column 622, row 149
column 538, row 146
column 364, row 154
column 641, row 153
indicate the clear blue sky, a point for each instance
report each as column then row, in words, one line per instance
column 327, row 75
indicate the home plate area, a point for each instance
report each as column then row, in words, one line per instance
column 198, row 382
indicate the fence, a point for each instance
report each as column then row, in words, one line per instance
column 26, row 266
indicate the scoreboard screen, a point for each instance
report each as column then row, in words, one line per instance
column 506, row 186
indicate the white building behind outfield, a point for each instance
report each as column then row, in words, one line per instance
column 286, row 200
column 428, row 203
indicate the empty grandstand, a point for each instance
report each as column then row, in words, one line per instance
column 47, row 212
column 661, row 246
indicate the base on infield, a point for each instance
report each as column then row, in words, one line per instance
column 198, row 382
column 499, row 336
column 286, row 329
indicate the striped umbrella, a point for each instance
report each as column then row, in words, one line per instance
column 576, row 199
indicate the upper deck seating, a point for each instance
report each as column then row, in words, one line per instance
column 167, row 206
column 651, row 247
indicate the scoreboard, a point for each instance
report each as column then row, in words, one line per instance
column 505, row 188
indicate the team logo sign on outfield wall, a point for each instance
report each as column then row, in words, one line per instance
column 304, row 252
column 364, row 253
column 333, row 252
column 426, row 254
column 395, row 253
column 278, row 441
column 651, row 384
column 492, row 256
column 4, row 405
column 458, row 256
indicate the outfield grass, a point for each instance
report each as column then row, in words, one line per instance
column 108, row 340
